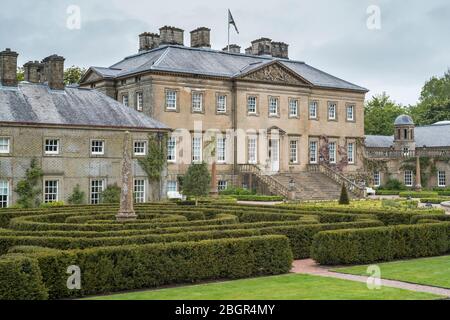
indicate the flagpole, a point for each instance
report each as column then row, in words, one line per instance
column 228, row 30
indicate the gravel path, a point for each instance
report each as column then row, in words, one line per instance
column 309, row 266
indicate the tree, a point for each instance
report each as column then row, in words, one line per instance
column 434, row 102
column 197, row 181
column 20, row 74
column 73, row 75
column 77, row 197
column 344, row 199
column 111, row 194
column 28, row 189
column 380, row 113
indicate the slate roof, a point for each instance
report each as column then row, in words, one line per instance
column 38, row 104
column 433, row 136
column 208, row 62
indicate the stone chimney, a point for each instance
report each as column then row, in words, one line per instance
column 148, row 41
column 249, row 50
column 201, row 38
column 234, row 48
column 54, row 72
column 33, row 71
column 280, row 50
column 8, row 68
column 171, row 35
column 262, row 46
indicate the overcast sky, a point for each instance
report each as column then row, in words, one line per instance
column 411, row 46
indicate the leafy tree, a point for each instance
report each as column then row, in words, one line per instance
column 29, row 188
column 20, row 74
column 78, row 196
column 380, row 113
column 344, row 199
column 196, row 181
column 434, row 103
column 111, row 194
column 73, row 75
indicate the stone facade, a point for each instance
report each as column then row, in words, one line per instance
column 74, row 164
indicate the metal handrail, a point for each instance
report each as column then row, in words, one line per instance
column 269, row 180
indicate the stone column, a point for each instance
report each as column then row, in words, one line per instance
column 418, row 186
column 126, row 211
column 214, row 191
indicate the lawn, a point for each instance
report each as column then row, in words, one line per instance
column 428, row 271
column 286, row 287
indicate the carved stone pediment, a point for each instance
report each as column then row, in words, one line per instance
column 274, row 73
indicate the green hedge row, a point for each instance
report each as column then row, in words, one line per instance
column 387, row 192
column 437, row 200
column 301, row 236
column 254, row 197
column 361, row 246
column 110, row 269
column 418, row 194
column 21, row 279
column 438, row 217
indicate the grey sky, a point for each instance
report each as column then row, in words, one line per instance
column 412, row 45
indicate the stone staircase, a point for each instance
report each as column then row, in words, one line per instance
column 318, row 183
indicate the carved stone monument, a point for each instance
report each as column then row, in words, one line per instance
column 126, row 211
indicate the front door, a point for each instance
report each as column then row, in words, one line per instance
column 274, row 154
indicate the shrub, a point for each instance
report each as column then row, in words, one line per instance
column 110, row 269
column 361, row 246
column 21, row 279
column 197, row 181
column 394, row 184
column 52, row 204
column 77, row 197
column 111, row 194
column 344, row 199
column 418, row 194
column 236, row 191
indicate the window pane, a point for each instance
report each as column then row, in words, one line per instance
column 293, row 107
column 252, row 150
column 196, row 149
column 139, row 101
column 221, row 103
column 96, row 190
column 50, row 191
column 4, row 194
column 4, row 145
column 51, row 146
column 293, row 151
column 313, row 109
column 171, row 149
column 97, row 147
column 172, row 186
column 273, row 106
column 350, row 113
column 442, row 179
column 171, row 99
column 221, row 145
column 197, row 102
column 140, row 148
column 331, row 110
column 251, row 104
column 332, row 152
column 350, row 153
column 313, row 152
column 139, row 191
column 222, row 185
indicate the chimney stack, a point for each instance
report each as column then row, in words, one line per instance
column 148, row 41
column 33, row 71
column 280, row 50
column 234, row 48
column 200, row 38
column 171, row 35
column 262, row 46
column 54, row 72
column 8, row 68
column 249, row 50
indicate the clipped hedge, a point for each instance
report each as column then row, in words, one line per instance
column 361, row 246
column 438, row 200
column 110, row 269
column 418, row 194
column 437, row 217
column 258, row 198
column 21, row 279
column 387, row 192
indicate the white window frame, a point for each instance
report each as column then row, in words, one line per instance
column 172, row 149
column 332, row 110
column 252, row 150
column 351, row 153
column 172, row 186
column 442, row 179
column 94, row 196
column 4, row 195
column 222, row 185
column 139, row 191
column 273, row 106
column 293, row 151
column 144, row 147
column 377, row 179
column 332, row 152
column 126, row 100
column 293, row 108
column 313, row 152
column 197, row 101
column 139, row 101
column 351, row 112
column 252, row 104
column 221, row 146
column 408, row 178
column 6, row 145
column 221, row 103
column 51, row 193
column 98, row 153
column 197, row 143
column 312, row 109
column 171, row 99
column 47, row 144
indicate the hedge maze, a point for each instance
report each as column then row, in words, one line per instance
column 174, row 244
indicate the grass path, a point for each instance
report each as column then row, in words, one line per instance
column 285, row 287
column 426, row 271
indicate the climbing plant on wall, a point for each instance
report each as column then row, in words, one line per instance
column 153, row 164
column 29, row 188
